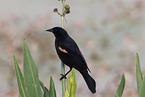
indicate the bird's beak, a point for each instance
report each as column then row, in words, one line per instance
column 50, row 30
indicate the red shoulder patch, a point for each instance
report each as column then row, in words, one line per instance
column 63, row 50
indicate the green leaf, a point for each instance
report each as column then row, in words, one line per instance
column 20, row 79
column 120, row 87
column 63, row 80
column 31, row 73
column 42, row 85
column 139, row 76
column 52, row 92
column 142, row 88
column 46, row 92
column 71, row 85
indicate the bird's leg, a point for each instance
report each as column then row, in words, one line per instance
column 64, row 76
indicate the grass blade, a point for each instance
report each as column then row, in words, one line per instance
column 120, row 87
column 20, row 79
column 46, row 92
column 71, row 85
column 52, row 92
column 31, row 73
column 42, row 85
column 142, row 88
column 139, row 76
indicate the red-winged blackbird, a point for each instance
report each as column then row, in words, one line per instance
column 70, row 55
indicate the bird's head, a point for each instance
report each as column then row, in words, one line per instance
column 58, row 32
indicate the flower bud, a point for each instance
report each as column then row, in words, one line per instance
column 67, row 7
column 55, row 10
column 67, row 11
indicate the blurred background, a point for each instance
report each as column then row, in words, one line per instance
column 108, row 32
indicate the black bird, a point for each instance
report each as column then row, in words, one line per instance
column 70, row 55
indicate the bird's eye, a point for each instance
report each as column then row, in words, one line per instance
column 55, row 30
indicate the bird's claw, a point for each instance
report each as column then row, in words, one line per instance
column 63, row 77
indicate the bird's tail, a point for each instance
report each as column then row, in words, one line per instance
column 89, row 80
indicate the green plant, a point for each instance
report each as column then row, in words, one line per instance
column 29, row 83
column 140, row 79
column 30, row 86
column 65, row 10
column 120, row 87
column 71, row 85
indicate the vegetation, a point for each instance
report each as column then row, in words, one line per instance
column 30, row 85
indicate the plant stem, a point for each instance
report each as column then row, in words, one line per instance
column 62, row 16
column 63, row 80
column 62, row 64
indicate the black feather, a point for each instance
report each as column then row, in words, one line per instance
column 73, row 56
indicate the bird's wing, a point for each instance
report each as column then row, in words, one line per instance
column 71, row 49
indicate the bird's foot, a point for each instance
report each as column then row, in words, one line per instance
column 63, row 76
